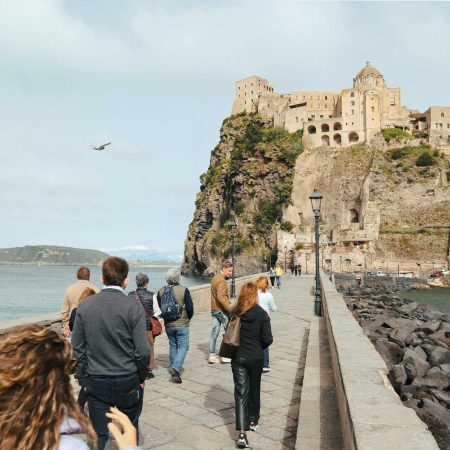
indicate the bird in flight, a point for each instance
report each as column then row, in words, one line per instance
column 100, row 147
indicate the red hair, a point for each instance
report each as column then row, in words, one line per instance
column 88, row 292
column 248, row 297
column 262, row 283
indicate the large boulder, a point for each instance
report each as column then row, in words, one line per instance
column 398, row 377
column 439, row 355
column 415, row 366
column 408, row 308
column 390, row 352
column 430, row 327
column 437, row 419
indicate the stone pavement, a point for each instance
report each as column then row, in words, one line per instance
column 199, row 414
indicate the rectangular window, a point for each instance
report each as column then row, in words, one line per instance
column 326, row 97
column 321, row 116
column 372, row 109
column 313, row 117
column 442, row 114
column 296, row 119
column 352, row 94
column 392, row 101
column 352, row 103
column 330, row 116
column 353, row 112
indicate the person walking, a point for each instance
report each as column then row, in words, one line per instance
column 147, row 299
column 247, row 364
column 267, row 302
column 220, row 309
column 299, row 269
column 88, row 292
column 296, row 270
column 72, row 295
column 177, row 330
column 272, row 276
column 111, row 348
column 278, row 275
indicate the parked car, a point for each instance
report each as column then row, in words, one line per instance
column 437, row 274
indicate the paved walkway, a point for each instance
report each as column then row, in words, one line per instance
column 199, row 413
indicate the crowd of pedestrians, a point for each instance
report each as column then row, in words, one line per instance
column 109, row 342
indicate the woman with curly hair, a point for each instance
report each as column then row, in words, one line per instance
column 247, row 365
column 37, row 407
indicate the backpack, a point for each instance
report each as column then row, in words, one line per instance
column 171, row 310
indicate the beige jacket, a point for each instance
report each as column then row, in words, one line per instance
column 72, row 298
column 220, row 299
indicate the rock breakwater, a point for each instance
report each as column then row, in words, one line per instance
column 414, row 341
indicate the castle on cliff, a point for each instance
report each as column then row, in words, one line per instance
column 344, row 117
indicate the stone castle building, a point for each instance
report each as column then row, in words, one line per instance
column 344, row 117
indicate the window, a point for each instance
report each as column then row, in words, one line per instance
column 372, row 109
column 326, row 97
column 448, row 125
column 352, row 103
column 321, row 116
column 313, row 117
column 442, row 114
column 352, row 94
column 252, row 92
column 296, row 119
column 392, row 101
column 330, row 116
column 353, row 112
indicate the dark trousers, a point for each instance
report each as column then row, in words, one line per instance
column 247, row 390
column 82, row 398
column 272, row 281
column 123, row 392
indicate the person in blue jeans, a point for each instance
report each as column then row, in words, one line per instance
column 178, row 330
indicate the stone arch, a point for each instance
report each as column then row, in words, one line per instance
column 325, row 127
column 311, row 129
column 337, row 126
column 325, row 140
column 337, row 139
column 354, row 216
column 353, row 137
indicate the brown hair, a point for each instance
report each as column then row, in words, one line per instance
column 114, row 271
column 83, row 273
column 262, row 283
column 227, row 264
column 248, row 297
column 88, row 292
column 35, row 389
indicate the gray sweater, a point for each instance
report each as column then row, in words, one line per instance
column 110, row 337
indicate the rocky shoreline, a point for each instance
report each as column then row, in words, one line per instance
column 414, row 341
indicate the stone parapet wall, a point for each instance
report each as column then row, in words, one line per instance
column 346, row 281
column 372, row 414
column 201, row 296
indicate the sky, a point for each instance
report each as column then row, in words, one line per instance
column 156, row 78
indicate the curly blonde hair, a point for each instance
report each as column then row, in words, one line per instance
column 35, row 390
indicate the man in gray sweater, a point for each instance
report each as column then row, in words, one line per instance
column 111, row 348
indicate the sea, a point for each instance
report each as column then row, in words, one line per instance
column 437, row 298
column 30, row 290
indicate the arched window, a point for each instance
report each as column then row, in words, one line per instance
column 337, row 139
column 352, row 94
column 311, row 129
column 325, row 140
column 353, row 137
column 325, row 127
column 354, row 216
column 337, row 126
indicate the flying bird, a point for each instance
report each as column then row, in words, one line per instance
column 100, row 147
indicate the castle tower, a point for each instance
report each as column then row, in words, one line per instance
column 247, row 94
column 369, row 77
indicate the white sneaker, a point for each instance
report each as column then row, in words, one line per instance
column 213, row 359
column 225, row 360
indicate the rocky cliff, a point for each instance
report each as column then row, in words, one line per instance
column 385, row 205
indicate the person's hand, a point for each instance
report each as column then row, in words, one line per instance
column 142, row 385
column 67, row 331
column 121, row 428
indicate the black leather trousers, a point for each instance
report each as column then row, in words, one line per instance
column 247, row 390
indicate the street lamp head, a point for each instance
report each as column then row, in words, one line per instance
column 316, row 201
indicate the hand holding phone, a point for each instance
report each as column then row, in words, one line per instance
column 122, row 429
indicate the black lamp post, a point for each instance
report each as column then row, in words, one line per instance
column 270, row 252
column 316, row 203
column 285, row 255
column 233, row 227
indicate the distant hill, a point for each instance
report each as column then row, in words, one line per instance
column 50, row 254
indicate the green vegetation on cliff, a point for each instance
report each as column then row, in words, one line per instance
column 50, row 254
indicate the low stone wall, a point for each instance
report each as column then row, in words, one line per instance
column 201, row 296
column 372, row 414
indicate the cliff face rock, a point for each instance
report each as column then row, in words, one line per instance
column 249, row 178
column 383, row 204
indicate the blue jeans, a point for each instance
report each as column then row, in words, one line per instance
column 219, row 318
column 278, row 281
column 178, row 346
column 103, row 392
column 266, row 357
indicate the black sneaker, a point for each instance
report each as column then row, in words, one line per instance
column 150, row 375
column 242, row 441
column 176, row 377
column 254, row 425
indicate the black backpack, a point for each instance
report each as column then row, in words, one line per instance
column 171, row 310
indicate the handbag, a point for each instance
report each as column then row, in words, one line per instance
column 156, row 324
column 231, row 339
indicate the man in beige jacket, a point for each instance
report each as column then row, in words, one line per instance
column 220, row 308
column 73, row 293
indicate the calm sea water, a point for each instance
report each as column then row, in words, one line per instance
column 32, row 290
column 436, row 298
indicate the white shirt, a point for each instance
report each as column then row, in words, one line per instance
column 266, row 301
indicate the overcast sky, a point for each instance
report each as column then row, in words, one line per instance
column 157, row 78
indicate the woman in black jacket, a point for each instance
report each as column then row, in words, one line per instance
column 247, row 364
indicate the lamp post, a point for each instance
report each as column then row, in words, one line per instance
column 233, row 227
column 285, row 255
column 316, row 203
column 270, row 252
